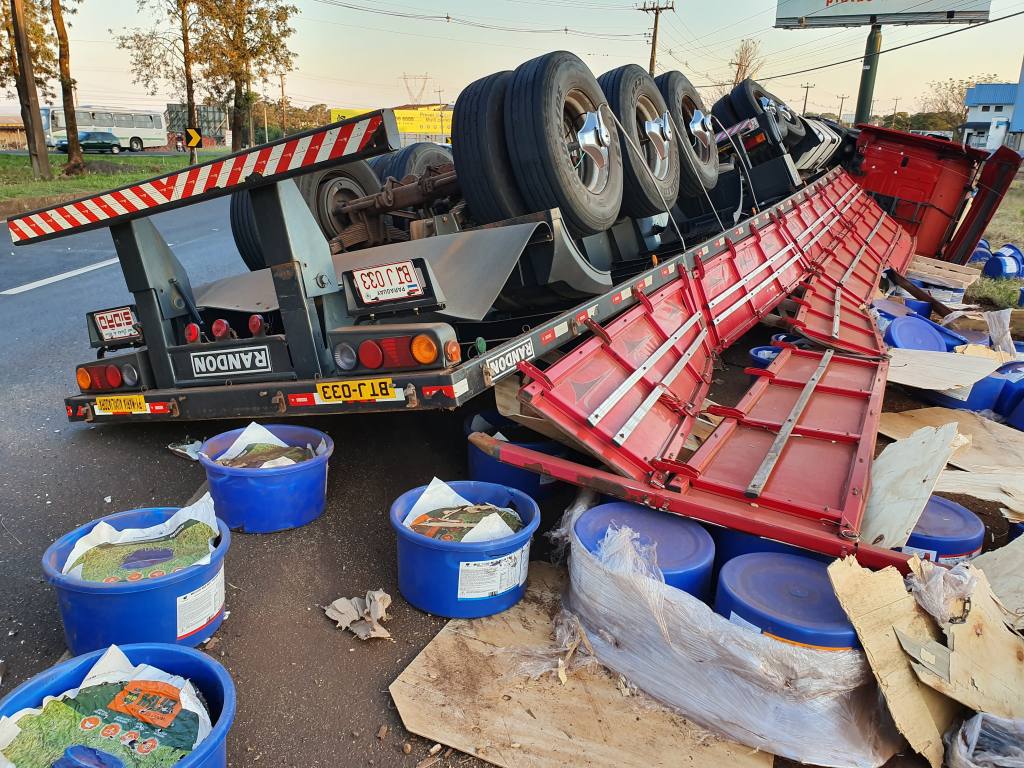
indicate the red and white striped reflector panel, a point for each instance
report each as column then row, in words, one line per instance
column 272, row 162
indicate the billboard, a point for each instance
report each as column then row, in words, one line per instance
column 801, row 14
column 428, row 119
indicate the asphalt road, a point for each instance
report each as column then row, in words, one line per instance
column 309, row 694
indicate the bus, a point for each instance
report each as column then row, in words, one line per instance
column 136, row 129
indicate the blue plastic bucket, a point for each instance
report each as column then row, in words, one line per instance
column 923, row 308
column 913, row 332
column 685, row 551
column 762, row 357
column 486, row 469
column 981, row 253
column 1015, row 253
column 185, row 607
column 1016, row 530
column 730, row 544
column 983, row 396
column 209, row 678
column 1001, row 266
column 787, row 597
column 1013, row 388
column 460, row 580
column 983, row 243
column 790, row 338
column 258, row 500
column 1016, row 417
column 946, row 533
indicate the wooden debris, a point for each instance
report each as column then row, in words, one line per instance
column 465, row 690
column 1005, row 488
column 1002, row 567
column 878, row 605
column 993, row 447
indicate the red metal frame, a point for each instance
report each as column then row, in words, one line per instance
column 996, row 176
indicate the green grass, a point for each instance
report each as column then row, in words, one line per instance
column 108, row 172
column 1007, row 226
column 1000, row 294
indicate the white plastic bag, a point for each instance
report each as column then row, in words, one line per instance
column 986, row 741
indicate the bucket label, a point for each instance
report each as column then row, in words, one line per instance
column 480, row 579
column 198, row 609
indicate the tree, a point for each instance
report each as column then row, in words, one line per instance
column 747, row 61
column 41, row 40
column 165, row 54
column 75, row 164
column 242, row 41
column 946, row 99
column 28, row 41
column 901, row 121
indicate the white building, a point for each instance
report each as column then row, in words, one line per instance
column 995, row 115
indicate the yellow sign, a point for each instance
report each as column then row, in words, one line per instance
column 357, row 390
column 193, row 137
column 122, row 404
column 431, row 119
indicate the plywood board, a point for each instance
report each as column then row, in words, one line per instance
column 942, row 272
column 902, row 478
column 877, row 604
column 1003, row 569
column 1004, row 488
column 977, row 322
column 980, row 664
column 993, row 447
column 938, row 370
column 465, row 690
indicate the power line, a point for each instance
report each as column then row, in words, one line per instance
column 884, row 50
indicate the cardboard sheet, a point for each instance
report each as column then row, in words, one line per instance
column 464, row 690
column 993, row 447
column 1004, row 488
column 878, row 604
column 938, row 370
column 1003, row 569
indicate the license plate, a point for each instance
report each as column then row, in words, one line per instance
column 115, row 324
column 388, row 282
column 358, row 390
column 121, row 404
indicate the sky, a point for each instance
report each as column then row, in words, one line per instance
column 346, row 56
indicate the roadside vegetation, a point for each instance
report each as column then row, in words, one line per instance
column 1007, row 225
column 102, row 172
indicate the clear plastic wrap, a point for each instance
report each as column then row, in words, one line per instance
column 818, row 707
column 986, row 741
column 941, row 591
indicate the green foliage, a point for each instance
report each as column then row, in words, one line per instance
column 42, row 41
column 989, row 292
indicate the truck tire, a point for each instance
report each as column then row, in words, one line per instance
column 650, row 184
column 795, row 128
column 746, row 102
column 547, row 103
column 724, row 113
column 320, row 189
column 698, row 161
column 416, row 158
column 481, row 155
column 380, row 164
column 243, row 230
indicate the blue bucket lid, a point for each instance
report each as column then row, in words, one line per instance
column 788, row 596
column 913, row 332
column 981, row 253
column 948, row 528
column 683, row 545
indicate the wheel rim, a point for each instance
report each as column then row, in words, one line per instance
column 585, row 141
column 332, row 193
column 655, row 133
column 699, row 130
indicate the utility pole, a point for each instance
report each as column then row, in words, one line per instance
column 807, row 89
column 440, row 106
column 28, row 96
column 284, row 108
column 656, row 9
column 839, row 115
column 266, row 136
column 892, row 123
column 868, row 74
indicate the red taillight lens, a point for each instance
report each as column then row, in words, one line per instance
column 397, row 352
column 370, row 354
column 113, row 376
column 257, row 325
column 756, row 140
column 452, row 351
column 220, row 329
column 191, row 333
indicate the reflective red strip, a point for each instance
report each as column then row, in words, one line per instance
column 341, row 141
column 448, row 390
column 190, row 183
column 159, row 407
column 370, row 130
column 261, row 160
column 302, row 399
column 287, row 154
column 312, row 149
column 125, row 203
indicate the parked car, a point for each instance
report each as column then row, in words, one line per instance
column 94, row 141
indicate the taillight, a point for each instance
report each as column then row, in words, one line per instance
column 257, row 325
column 84, row 378
column 221, row 329
column 129, row 375
column 191, row 333
column 452, row 351
column 424, row 349
column 397, row 352
column 754, row 141
column 113, row 376
column 345, row 356
column 370, row 354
